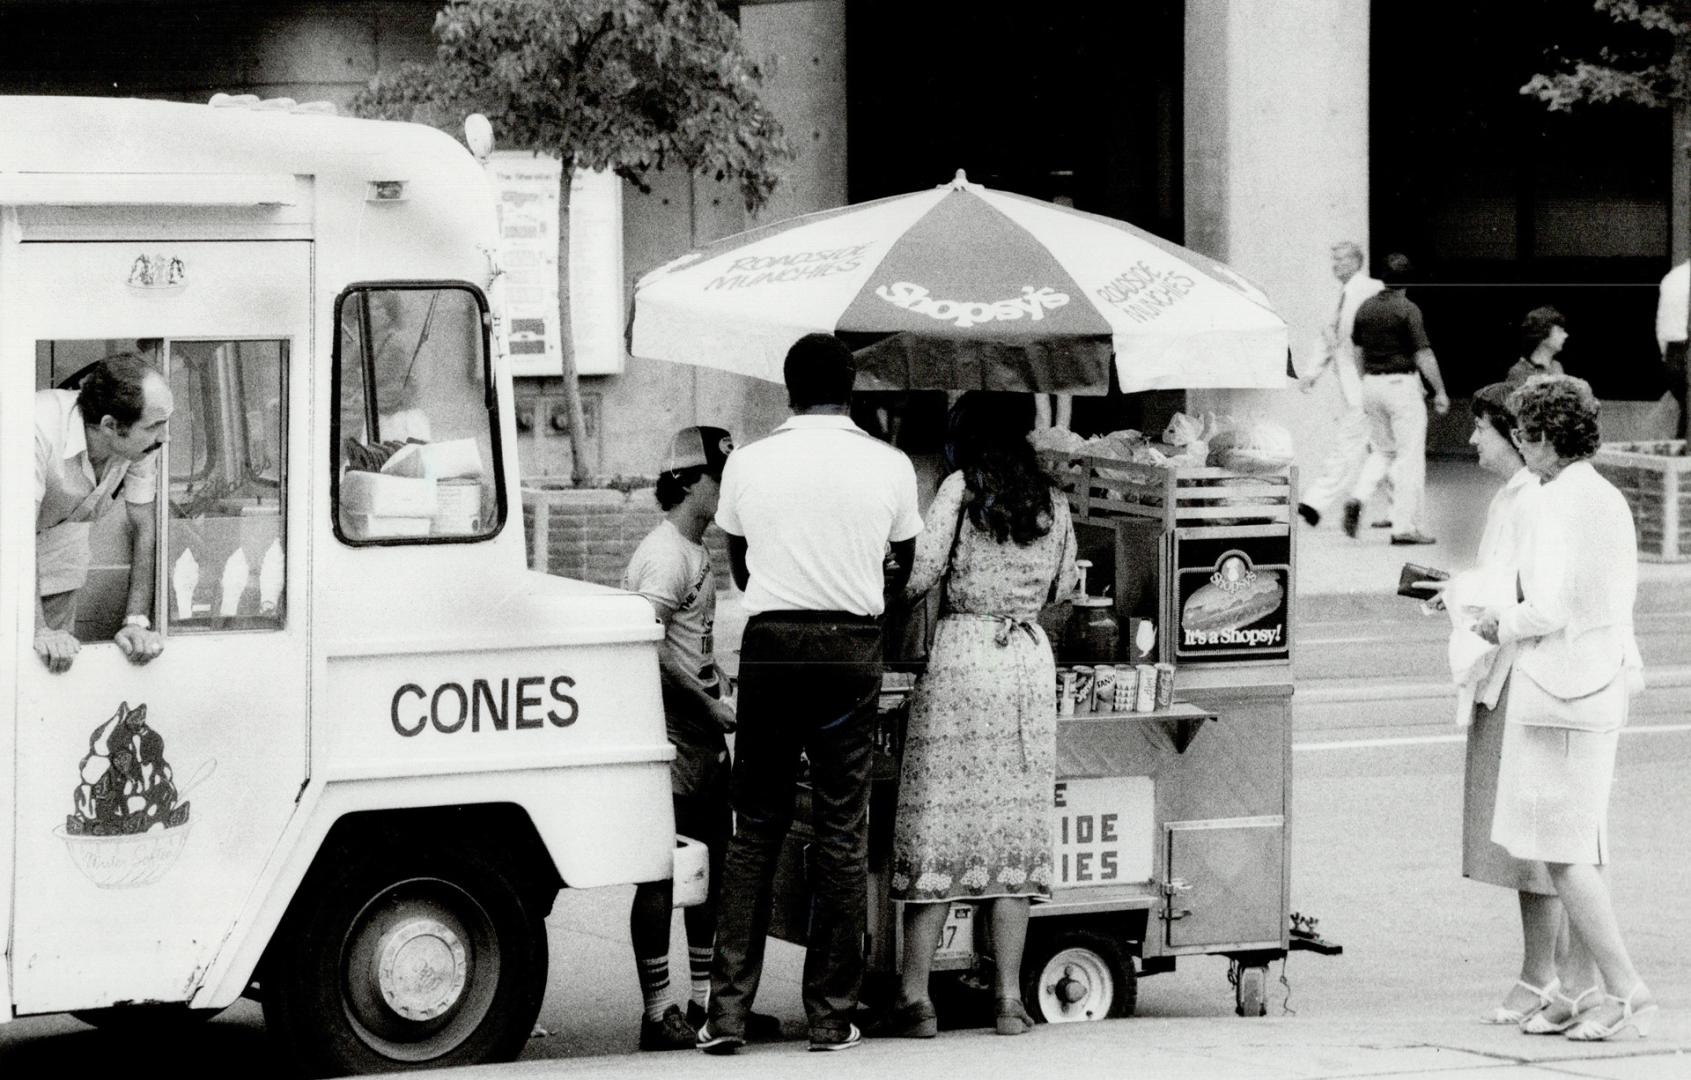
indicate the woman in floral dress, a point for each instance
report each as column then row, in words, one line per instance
column 974, row 799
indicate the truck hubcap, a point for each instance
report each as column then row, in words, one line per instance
column 421, row 968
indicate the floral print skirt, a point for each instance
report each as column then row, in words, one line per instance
column 975, row 789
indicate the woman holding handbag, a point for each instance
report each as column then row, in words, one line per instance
column 979, row 766
column 1576, row 668
column 1483, row 687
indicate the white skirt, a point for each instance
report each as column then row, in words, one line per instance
column 1553, row 793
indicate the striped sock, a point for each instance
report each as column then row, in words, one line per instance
column 654, row 985
column 700, row 960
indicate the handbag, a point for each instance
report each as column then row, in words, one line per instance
column 910, row 625
column 1603, row 709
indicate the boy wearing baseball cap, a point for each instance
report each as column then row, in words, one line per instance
column 672, row 569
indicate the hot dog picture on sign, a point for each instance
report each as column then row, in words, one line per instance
column 1232, row 599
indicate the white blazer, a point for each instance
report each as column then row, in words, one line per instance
column 1579, row 577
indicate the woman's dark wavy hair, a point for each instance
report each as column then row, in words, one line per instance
column 672, row 487
column 1008, row 494
column 1536, row 326
column 1491, row 404
column 1560, row 409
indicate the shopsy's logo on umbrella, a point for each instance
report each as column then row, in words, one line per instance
column 1033, row 304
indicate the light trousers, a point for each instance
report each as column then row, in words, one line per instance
column 1397, row 436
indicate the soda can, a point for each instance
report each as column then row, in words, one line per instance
column 1127, row 687
column 1165, row 685
column 1083, row 689
column 1065, row 692
column 1103, row 688
column 1146, row 701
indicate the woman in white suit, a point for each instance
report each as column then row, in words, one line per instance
column 1482, row 677
column 1576, row 668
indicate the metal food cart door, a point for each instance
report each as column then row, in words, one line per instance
column 1224, row 885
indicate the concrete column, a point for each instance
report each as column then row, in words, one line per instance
column 1276, row 148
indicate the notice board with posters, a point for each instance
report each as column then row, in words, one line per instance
column 1230, row 594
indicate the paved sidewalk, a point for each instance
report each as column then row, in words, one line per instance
column 1146, row 1048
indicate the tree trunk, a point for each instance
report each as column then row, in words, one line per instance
column 566, row 341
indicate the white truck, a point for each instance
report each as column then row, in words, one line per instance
column 375, row 744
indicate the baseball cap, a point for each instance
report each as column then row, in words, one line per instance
column 696, row 447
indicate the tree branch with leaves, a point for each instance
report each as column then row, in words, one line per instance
column 630, row 86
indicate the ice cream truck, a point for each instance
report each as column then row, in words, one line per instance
column 375, row 744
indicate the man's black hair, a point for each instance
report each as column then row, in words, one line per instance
column 673, row 486
column 115, row 387
column 1395, row 273
column 819, row 370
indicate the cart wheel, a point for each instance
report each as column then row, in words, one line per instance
column 1250, row 990
column 1078, row 975
column 407, row 959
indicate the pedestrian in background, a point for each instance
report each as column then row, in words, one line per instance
column 1544, row 331
column 1335, row 353
column 809, row 512
column 1483, row 679
column 1673, row 310
column 1576, row 669
column 974, row 797
column 1396, row 357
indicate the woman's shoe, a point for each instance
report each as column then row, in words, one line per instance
column 1638, row 1021
column 1505, row 1015
column 912, row 1020
column 1544, row 1023
column 1013, row 1018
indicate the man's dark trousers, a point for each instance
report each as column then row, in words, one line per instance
column 809, row 681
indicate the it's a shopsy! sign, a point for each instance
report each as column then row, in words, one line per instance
column 1232, row 597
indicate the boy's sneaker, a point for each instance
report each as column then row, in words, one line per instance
column 850, row 1039
column 668, row 1032
column 718, row 1044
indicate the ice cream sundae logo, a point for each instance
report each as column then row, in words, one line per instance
column 1234, row 576
column 1032, row 303
column 129, row 819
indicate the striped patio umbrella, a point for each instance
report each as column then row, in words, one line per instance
column 962, row 287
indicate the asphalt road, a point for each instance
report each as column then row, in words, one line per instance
column 1375, row 856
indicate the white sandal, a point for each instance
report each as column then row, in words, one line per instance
column 1639, row 1021
column 1539, row 1024
column 1545, row 994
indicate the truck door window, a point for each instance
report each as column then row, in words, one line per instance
column 224, row 565
column 416, row 448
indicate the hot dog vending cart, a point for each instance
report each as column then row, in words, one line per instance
column 1170, row 826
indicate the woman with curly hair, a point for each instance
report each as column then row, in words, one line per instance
column 974, row 798
column 1576, row 668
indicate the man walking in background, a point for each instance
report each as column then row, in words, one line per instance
column 1396, row 357
column 809, row 512
column 1335, row 353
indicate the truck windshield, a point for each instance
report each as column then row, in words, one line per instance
column 416, row 448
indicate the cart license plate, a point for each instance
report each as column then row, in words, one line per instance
column 958, row 937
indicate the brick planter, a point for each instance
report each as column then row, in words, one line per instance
column 1655, row 477
column 590, row 533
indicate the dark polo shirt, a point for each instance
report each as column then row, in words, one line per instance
column 1388, row 334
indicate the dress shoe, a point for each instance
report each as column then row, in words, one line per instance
column 1545, row 994
column 1013, row 1018
column 1309, row 513
column 1563, row 1014
column 1588, row 1028
column 912, row 1020
column 1412, row 538
column 1353, row 516
column 1383, row 523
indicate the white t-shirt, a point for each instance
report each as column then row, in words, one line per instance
column 674, row 574
column 818, row 501
column 1670, row 306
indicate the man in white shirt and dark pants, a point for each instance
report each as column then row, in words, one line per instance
column 1337, row 353
column 809, row 512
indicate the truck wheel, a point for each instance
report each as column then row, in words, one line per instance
column 1078, row 975
column 1250, row 990
column 407, row 959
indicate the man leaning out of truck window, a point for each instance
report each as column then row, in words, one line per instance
column 91, row 444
